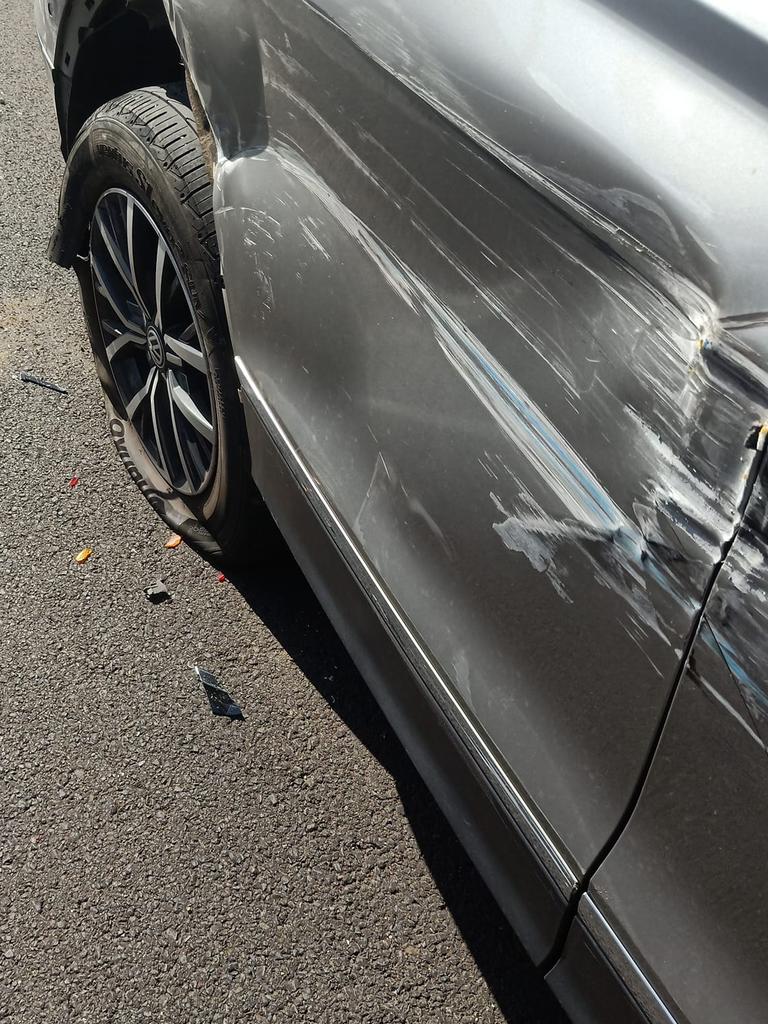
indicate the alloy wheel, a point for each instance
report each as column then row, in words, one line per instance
column 152, row 342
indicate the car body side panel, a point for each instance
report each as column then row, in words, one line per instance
column 646, row 121
column 623, row 110
column 686, row 886
column 593, row 990
column 529, row 895
column 531, row 442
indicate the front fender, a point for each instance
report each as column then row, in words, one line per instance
column 219, row 43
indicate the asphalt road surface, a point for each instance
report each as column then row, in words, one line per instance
column 157, row 863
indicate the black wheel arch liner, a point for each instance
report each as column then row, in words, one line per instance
column 136, row 34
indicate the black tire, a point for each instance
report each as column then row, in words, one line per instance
column 143, row 147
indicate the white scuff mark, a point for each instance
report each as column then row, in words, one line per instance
column 255, row 222
column 639, row 637
column 616, row 560
column 486, row 466
column 331, row 134
column 523, row 274
column 312, row 239
column 376, row 484
column 686, row 497
column 536, row 540
column 268, row 295
column 418, row 509
column 461, row 674
column 746, row 569
column 289, row 63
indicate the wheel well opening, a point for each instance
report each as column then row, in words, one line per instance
column 109, row 49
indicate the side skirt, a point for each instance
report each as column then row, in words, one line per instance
column 594, row 988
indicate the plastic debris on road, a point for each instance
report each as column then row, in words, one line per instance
column 173, row 541
column 29, row 378
column 221, row 702
column 221, row 578
column 157, row 592
column 74, row 481
column 83, row 556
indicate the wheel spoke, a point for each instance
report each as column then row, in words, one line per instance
column 186, row 406
column 176, row 433
column 127, row 338
column 155, row 428
column 159, row 268
column 103, row 289
column 193, row 356
column 117, row 260
column 130, row 207
column 132, row 406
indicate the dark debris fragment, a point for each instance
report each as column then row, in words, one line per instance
column 29, row 378
column 221, row 702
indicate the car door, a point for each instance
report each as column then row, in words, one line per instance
column 491, row 326
column 684, row 890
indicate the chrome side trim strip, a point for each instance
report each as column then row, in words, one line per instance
column 624, row 963
column 505, row 789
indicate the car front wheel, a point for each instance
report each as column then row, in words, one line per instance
column 154, row 310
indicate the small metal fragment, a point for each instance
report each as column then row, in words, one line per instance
column 157, row 592
column 29, row 378
column 220, row 701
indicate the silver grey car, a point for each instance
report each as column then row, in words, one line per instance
column 470, row 299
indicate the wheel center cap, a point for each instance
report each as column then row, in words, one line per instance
column 155, row 347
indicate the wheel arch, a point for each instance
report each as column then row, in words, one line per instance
column 108, row 47
column 211, row 54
